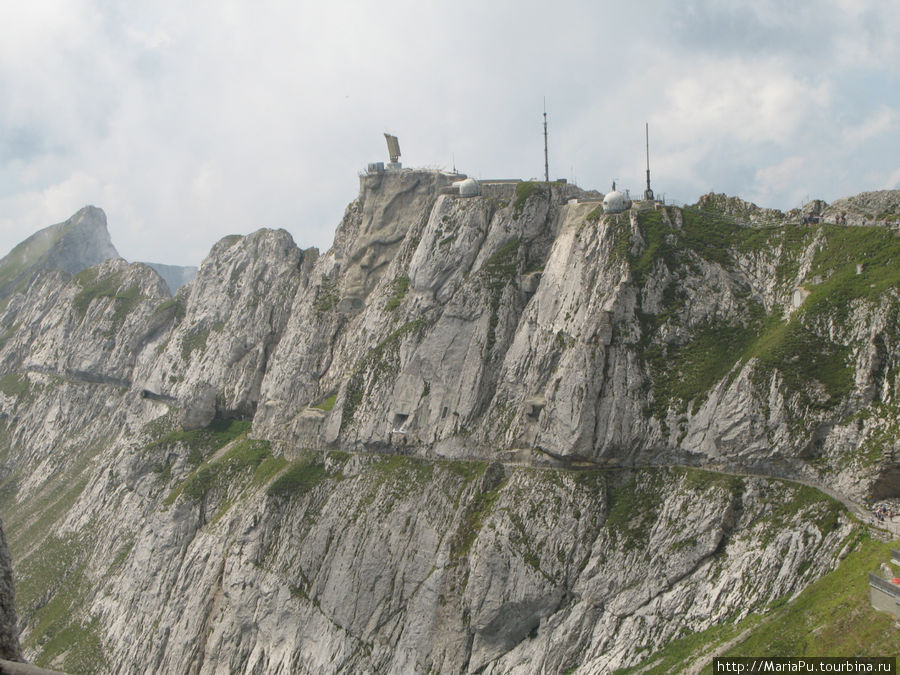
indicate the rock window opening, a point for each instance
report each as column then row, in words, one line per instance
column 400, row 421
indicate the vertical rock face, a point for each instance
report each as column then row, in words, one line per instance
column 228, row 321
column 449, row 325
column 361, row 460
column 9, row 633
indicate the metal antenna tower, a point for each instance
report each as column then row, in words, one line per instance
column 648, row 193
column 546, row 163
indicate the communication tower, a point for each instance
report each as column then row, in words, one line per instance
column 546, row 163
column 648, row 193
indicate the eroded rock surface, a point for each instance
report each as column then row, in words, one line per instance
column 433, row 446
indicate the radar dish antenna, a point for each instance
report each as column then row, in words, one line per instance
column 393, row 147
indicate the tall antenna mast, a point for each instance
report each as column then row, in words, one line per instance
column 546, row 164
column 648, row 193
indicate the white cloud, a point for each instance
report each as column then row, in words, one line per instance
column 779, row 179
column 747, row 102
column 883, row 121
column 186, row 122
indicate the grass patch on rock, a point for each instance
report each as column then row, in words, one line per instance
column 298, row 478
column 202, row 442
column 379, row 362
column 833, row 616
column 524, row 190
column 94, row 287
column 327, row 403
column 399, row 287
column 222, row 473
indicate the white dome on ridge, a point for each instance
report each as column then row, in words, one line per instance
column 468, row 187
column 613, row 201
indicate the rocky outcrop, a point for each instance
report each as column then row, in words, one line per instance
column 228, row 321
column 866, row 207
column 365, row 459
column 540, row 323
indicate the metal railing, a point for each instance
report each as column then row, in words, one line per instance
column 884, row 585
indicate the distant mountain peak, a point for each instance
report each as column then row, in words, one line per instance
column 73, row 245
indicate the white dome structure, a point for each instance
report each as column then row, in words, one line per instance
column 614, row 201
column 468, row 187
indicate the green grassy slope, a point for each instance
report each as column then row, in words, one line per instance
column 831, row 617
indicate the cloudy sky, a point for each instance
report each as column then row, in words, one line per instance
column 189, row 121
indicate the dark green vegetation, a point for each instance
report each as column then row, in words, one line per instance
column 61, row 567
column 177, row 306
column 831, row 617
column 875, row 248
column 595, row 214
column 327, row 296
column 476, row 511
column 802, row 356
column 221, row 475
column 633, row 507
column 245, row 454
column 13, row 384
column 684, row 373
column 192, row 342
column 327, row 403
column 200, row 443
column 50, row 570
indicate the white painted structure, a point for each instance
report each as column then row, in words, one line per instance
column 468, row 187
column 613, row 201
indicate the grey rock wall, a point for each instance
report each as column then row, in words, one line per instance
column 284, row 467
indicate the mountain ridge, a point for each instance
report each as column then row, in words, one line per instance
column 366, row 458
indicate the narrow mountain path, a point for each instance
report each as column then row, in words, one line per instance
column 887, row 527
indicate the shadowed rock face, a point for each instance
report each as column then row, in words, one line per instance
column 74, row 245
column 9, row 634
column 195, row 475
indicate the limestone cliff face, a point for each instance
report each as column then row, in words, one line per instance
column 227, row 322
column 530, row 322
column 364, row 460
column 396, row 565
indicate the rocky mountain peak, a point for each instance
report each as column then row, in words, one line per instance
column 73, row 245
column 736, row 207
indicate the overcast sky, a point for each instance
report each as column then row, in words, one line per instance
column 186, row 122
